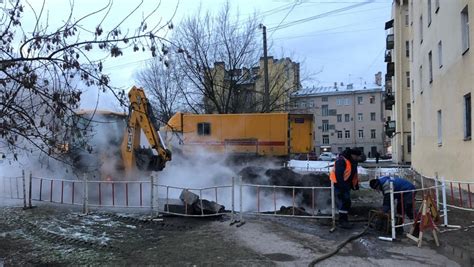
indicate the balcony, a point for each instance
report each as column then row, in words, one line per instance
column 388, row 56
column 390, row 69
column 389, row 101
column 388, row 87
column 390, row 128
column 389, row 24
column 390, row 41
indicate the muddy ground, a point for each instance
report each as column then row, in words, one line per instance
column 58, row 235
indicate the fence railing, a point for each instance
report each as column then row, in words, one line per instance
column 273, row 193
column 258, row 199
column 444, row 193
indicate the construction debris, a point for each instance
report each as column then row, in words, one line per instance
column 198, row 206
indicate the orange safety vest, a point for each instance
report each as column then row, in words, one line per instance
column 347, row 173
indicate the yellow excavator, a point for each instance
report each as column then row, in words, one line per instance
column 109, row 143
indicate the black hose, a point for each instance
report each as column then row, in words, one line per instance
column 341, row 245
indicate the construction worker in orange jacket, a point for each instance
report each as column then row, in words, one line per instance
column 344, row 176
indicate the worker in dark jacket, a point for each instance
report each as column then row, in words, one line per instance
column 344, row 176
column 382, row 184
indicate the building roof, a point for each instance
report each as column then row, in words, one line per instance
column 338, row 89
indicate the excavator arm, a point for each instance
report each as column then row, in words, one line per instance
column 140, row 118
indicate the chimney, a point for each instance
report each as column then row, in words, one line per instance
column 350, row 86
column 378, row 78
column 335, row 85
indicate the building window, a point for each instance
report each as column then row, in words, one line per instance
column 436, row 6
column 204, row 128
column 346, row 117
column 324, row 110
column 372, row 116
column 339, row 117
column 347, row 101
column 407, row 18
column 440, row 54
column 360, row 100
column 407, row 74
column 421, row 29
column 361, row 134
column 325, row 139
column 339, row 134
column 413, row 130
column 407, row 48
column 465, row 29
column 325, row 125
column 347, row 134
column 421, row 79
column 409, row 144
column 372, row 134
column 360, row 116
column 340, row 101
column 372, row 99
column 429, row 13
column 467, row 117
column 430, row 66
column 408, row 111
column 411, row 59
column 324, row 99
column 440, row 128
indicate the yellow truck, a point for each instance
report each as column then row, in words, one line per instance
column 264, row 134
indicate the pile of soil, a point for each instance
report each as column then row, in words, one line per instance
column 287, row 177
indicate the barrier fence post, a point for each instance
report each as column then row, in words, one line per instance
column 200, row 201
column 151, row 194
column 51, row 191
column 437, row 189
column 274, row 201
column 29, row 190
column 232, row 219
column 333, row 207
column 445, row 210
column 240, row 198
column 24, row 188
column 157, row 201
column 85, row 195
column 392, row 210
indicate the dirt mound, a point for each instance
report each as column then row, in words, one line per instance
column 282, row 177
column 287, row 177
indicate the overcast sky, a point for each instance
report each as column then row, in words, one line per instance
column 337, row 40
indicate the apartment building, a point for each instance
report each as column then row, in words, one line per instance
column 248, row 86
column 398, row 82
column 442, row 82
column 345, row 116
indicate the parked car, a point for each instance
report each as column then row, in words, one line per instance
column 308, row 156
column 327, row 156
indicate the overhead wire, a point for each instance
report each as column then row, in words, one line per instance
column 290, row 6
column 322, row 15
column 288, row 13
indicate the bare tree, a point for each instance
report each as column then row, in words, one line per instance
column 220, row 57
column 43, row 69
column 205, row 39
column 163, row 84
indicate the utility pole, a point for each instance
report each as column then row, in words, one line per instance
column 266, row 93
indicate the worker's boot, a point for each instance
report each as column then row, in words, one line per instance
column 344, row 221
